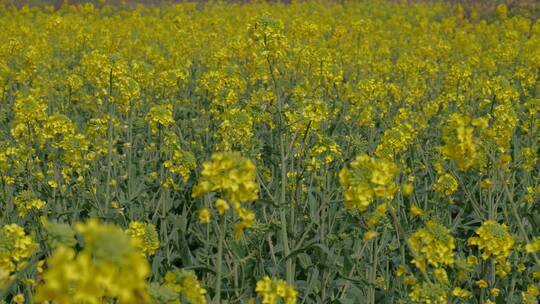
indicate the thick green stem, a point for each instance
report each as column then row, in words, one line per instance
column 282, row 209
column 222, row 223
column 372, row 272
column 283, row 165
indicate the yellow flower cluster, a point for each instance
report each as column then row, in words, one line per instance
column 234, row 177
column 323, row 153
column 205, row 215
column 367, row 178
column 160, row 116
column 145, row 237
column 178, row 285
column 533, row 246
column 108, row 267
column 235, row 130
column 271, row 291
column 528, row 159
column 180, row 162
column 459, row 292
column 19, row 299
column 15, row 248
column 433, row 244
column 461, row 145
column 26, row 202
column 530, row 296
column 230, row 173
column 493, row 240
column 398, row 138
column 446, row 184
column 429, row 293
column 266, row 36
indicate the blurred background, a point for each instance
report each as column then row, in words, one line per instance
column 484, row 8
column 58, row 3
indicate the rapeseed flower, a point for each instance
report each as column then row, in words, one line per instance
column 145, row 237
column 16, row 247
column 271, row 291
column 433, row 244
column 366, row 179
column 107, row 267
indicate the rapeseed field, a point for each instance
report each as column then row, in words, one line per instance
column 308, row 152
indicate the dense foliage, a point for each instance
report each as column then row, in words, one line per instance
column 360, row 152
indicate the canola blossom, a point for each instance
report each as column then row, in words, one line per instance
column 266, row 152
column 270, row 291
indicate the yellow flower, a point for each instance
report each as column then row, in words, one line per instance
column 366, row 179
column 144, row 237
column 493, row 240
column 15, row 247
column 531, row 295
column 529, row 159
column 482, row 284
column 458, row 292
column 502, row 10
column 221, row 206
column 534, row 246
column 407, row 189
column 369, row 235
column 270, row 291
column 235, row 177
column 446, row 184
column 502, row 267
column 486, row 183
column 472, row 260
column 246, row 218
column 401, row 270
column 230, row 173
column 183, row 284
column 460, row 143
column 433, row 244
column 433, row 293
column 26, row 202
column 160, row 115
column 204, row 216
column 441, row 275
column 53, row 183
column 179, row 162
column 18, row 299
column 107, row 267
column 416, row 211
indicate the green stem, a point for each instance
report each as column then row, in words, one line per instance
column 283, row 218
column 283, row 162
column 109, row 142
column 372, row 272
column 222, row 223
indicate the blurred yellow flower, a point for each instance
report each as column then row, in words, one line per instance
column 204, row 215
